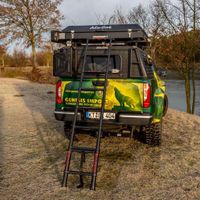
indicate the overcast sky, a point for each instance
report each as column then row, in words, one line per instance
column 80, row 12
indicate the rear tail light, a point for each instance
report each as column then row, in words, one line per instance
column 59, row 92
column 147, row 95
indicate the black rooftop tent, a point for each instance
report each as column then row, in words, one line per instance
column 131, row 34
column 98, row 28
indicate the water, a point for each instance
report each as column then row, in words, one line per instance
column 176, row 94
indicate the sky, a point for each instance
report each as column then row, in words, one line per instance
column 85, row 12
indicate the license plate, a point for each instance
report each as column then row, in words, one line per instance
column 96, row 115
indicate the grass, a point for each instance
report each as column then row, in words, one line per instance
column 34, row 147
column 128, row 169
column 16, row 73
column 40, row 75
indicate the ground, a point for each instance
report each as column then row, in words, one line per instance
column 32, row 153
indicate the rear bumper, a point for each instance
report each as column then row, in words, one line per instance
column 127, row 119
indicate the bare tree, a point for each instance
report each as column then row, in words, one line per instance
column 151, row 20
column 182, row 19
column 194, row 6
column 102, row 19
column 28, row 20
column 140, row 15
column 2, row 56
column 118, row 17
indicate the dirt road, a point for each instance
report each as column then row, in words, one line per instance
column 32, row 151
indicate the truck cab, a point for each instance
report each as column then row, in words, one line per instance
column 135, row 96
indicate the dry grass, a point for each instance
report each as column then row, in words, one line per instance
column 33, row 152
column 40, row 74
column 43, row 75
column 16, row 73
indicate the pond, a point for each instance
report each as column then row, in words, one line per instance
column 176, row 94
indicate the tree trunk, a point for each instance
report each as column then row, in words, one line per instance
column 34, row 63
column 35, row 75
column 193, row 90
column 187, row 91
column 3, row 61
column 193, row 66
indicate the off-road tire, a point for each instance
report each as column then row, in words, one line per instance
column 153, row 134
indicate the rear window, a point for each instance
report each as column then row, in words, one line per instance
column 98, row 63
column 128, row 62
column 124, row 60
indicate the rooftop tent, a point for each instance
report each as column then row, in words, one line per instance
column 130, row 34
column 98, row 28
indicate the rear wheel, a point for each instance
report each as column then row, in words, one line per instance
column 153, row 134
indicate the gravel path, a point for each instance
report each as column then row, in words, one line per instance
column 32, row 151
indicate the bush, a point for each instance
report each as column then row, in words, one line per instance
column 44, row 58
column 18, row 59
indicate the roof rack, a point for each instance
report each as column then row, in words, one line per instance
column 130, row 34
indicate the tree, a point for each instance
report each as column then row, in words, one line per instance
column 18, row 58
column 173, row 29
column 2, row 55
column 142, row 16
column 182, row 20
column 28, row 20
column 149, row 18
column 118, row 17
column 44, row 57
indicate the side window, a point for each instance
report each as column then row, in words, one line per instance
column 62, row 62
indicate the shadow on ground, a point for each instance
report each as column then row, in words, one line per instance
column 40, row 103
column 1, row 140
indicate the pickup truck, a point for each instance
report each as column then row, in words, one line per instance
column 136, row 99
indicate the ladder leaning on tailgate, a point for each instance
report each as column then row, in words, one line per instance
column 85, row 150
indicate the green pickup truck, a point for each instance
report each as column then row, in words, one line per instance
column 135, row 99
column 107, row 85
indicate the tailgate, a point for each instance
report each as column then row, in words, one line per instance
column 121, row 95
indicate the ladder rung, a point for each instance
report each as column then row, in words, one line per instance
column 80, row 173
column 92, row 89
column 87, row 127
column 83, row 149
